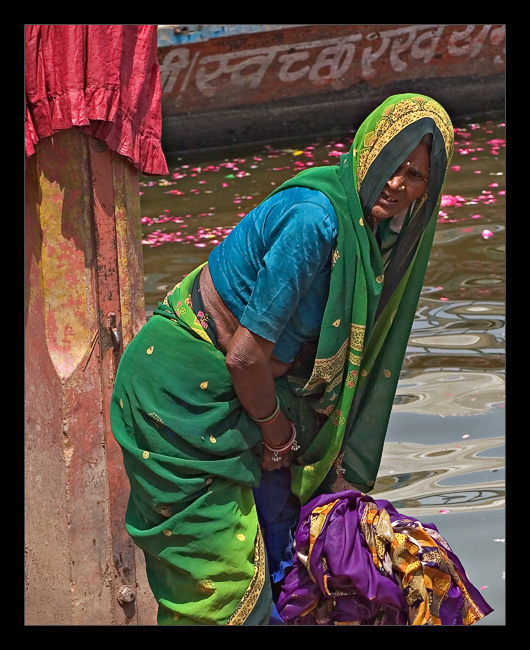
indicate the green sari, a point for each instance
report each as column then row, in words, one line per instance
column 192, row 458
column 371, row 304
column 191, row 452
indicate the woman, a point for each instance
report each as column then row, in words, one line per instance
column 266, row 377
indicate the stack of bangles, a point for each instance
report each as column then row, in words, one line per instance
column 291, row 445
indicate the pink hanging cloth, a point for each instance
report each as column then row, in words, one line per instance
column 104, row 79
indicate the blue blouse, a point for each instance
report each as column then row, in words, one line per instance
column 273, row 269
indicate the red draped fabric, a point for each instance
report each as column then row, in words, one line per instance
column 104, row 79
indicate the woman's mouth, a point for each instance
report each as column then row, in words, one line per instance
column 388, row 204
column 385, row 196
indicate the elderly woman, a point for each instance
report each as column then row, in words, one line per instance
column 266, row 377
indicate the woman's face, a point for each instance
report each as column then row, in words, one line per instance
column 406, row 184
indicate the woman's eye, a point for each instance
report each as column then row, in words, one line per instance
column 417, row 174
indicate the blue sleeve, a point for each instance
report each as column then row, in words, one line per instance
column 299, row 244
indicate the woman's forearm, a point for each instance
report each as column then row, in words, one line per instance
column 248, row 362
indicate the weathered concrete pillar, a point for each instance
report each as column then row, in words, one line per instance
column 84, row 302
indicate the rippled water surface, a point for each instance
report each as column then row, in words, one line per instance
column 444, row 455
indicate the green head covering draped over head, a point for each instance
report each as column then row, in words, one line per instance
column 371, row 305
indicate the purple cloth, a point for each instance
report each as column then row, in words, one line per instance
column 343, row 583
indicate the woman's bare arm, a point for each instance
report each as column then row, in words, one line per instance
column 248, row 359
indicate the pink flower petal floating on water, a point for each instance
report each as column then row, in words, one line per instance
column 448, row 199
column 203, row 237
column 486, row 234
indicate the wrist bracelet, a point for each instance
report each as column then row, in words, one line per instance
column 292, row 445
column 271, row 418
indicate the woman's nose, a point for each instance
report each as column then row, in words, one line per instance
column 396, row 181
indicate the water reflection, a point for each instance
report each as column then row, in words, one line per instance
column 449, row 393
column 454, row 363
column 405, row 482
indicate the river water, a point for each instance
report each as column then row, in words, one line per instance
column 444, row 454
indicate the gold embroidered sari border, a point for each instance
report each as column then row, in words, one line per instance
column 253, row 592
column 331, row 370
column 396, row 118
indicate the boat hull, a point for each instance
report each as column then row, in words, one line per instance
column 243, row 86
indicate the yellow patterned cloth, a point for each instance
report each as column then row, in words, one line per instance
column 360, row 562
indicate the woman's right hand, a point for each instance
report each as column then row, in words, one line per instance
column 269, row 465
column 275, row 435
